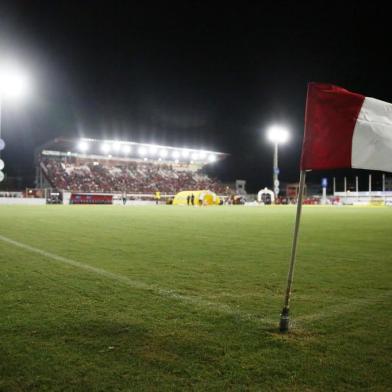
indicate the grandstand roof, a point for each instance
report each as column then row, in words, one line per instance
column 115, row 149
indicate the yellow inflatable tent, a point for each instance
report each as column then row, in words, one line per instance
column 205, row 198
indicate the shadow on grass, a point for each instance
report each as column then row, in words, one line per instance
column 86, row 354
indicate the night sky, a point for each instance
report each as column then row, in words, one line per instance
column 195, row 74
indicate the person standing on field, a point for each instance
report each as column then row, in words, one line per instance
column 157, row 197
column 201, row 200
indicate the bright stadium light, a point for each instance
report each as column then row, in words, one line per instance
column 14, row 81
column 202, row 155
column 83, row 146
column 142, row 150
column 195, row 156
column 126, row 149
column 14, row 84
column 277, row 135
column 163, row 153
column 116, row 146
column 153, row 149
column 175, row 154
column 185, row 153
column 105, row 148
column 211, row 158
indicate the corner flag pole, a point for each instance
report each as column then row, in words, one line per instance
column 284, row 317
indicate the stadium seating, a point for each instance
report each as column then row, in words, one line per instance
column 88, row 175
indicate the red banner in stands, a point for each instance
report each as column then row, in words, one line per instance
column 77, row 198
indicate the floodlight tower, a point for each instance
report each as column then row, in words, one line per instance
column 14, row 84
column 276, row 134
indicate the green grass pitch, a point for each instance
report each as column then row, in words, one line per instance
column 107, row 298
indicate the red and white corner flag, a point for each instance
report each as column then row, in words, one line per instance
column 342, row 130
column 346, row 130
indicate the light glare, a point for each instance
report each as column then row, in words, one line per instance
column 83, row 146
column 153, row 150
column 116, row 146
column 163, row 153
column 126, row 149
column 14, row 82
column 277, row 134
column 105, row 148
column 142, row 151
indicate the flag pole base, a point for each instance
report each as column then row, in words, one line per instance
column 284, row 320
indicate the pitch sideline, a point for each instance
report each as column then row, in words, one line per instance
column 222, row 308
column 331, row 311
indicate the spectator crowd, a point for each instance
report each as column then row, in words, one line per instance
column 85, row 175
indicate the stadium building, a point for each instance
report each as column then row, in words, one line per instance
column 95, row 171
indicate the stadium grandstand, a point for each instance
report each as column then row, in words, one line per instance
column 113, row 167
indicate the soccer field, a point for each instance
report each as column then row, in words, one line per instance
column 97, row 298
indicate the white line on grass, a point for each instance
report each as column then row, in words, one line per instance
column 347, row 307
column 141, row 285
column 331, row 311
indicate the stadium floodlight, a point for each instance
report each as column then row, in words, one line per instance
column 142, row 150
column 211, row 158
column 202, row 155
column 195, row 156
column 14, row 81
column 175, row 154
column 116, row 146
column 126, row 149
column 105, row 148
column 185, row 153
column 68, row 152
column 14, row 84
column 163, row 153
column 153, row 149
column 83, row 146
column 278, row 135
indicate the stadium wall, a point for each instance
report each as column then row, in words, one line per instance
column 22, row 201
column 365, row 197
